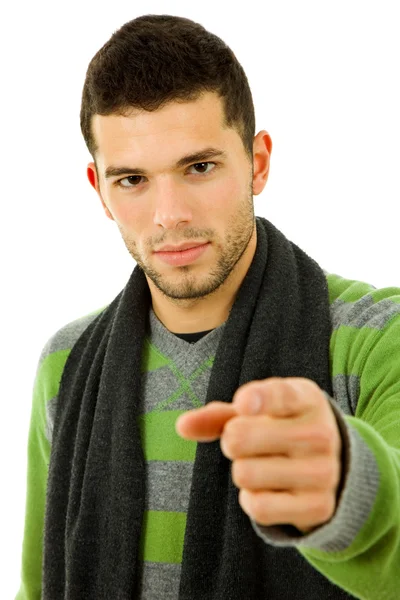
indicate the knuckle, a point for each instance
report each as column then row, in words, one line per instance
column 322, row 507
column 326, row 473
column 258, row 509
column 240, row 473
column 329, row 438
column 321, row 438
column 233, row 436
column 288, row 393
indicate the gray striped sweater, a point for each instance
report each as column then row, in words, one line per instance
column 365, row 369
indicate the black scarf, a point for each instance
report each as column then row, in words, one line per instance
column 279, row 326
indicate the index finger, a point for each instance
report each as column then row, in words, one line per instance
column 278, row 397
column 205, row 424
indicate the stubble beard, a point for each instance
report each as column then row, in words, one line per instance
column 192, row 287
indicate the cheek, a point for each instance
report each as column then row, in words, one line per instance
column 132, row 222
column 130, row 215
column 225, row 197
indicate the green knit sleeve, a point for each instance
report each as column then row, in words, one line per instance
column 45, row 396
column 45, row 390
column 368, row 565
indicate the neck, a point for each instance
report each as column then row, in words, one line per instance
column 208, row 312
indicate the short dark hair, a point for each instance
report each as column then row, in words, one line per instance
column 156, row 59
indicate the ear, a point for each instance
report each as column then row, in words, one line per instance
column 94, row 182
column 262, row 148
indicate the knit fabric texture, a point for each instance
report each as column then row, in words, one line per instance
column 175, row 378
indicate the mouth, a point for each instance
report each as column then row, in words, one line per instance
column 180, row 247
column 182, row 255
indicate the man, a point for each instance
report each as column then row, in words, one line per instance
column 284, row 481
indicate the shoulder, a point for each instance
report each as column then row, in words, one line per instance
column 50, row 368
column 64, row 338
column 361, row 305
column 365, row 338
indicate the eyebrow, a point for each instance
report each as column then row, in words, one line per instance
column 201, row 155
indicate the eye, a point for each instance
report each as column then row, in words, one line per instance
column 132, row 181
column 201, row 164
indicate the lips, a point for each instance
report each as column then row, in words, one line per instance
column 179, row 256
column 185, row 246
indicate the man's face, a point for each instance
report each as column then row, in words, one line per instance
column 207, row 201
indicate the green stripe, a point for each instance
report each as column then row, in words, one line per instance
column 49, row 375
column 348, row 290
column 391, row 294
column 152, row 359
column 160, row 440
column 349, row 348
column 162, row 537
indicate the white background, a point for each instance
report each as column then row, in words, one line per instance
column 325, row 82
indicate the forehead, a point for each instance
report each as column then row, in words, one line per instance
column 180, row 125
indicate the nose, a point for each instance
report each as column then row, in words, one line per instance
column 171, row 205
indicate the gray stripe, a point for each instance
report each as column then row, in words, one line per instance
column 160, row 581
column 168, row 485
column 157, row 386
column 51, row 407
column 346, row 391
column 66, row 337
column 363, row 313
column 161, row 384
column 200, row 385
column 185, row 355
